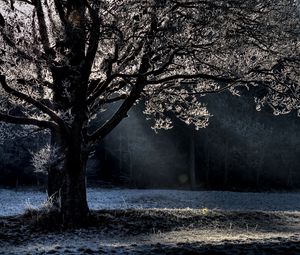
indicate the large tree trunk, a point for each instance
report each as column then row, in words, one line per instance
column 55, row 175
column 56, row 169
column 54, row 183
column 74, row 207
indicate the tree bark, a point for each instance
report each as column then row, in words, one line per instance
column 74, row 206
column 55, row 174
column 54, row 184
column 226, row 170
column 192, row 163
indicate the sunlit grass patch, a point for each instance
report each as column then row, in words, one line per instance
column 205, row 211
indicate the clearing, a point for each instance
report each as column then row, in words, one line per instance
column 159, row 222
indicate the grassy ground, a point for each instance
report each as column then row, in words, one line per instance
column 156, row 231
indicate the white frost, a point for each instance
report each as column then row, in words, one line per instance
column 15, row 202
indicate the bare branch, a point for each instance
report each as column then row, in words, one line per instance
column 28, row 121
column 42, row 26
column 33, row 102
column 60, row 10
column 116, row 118
column 94, row 36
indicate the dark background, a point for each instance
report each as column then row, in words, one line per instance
column 241, row 149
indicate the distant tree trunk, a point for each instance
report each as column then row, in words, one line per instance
column 207, row 169
column 289, row 180
column 131, row 172
column 259, row 167
column 192, row 160
column 257, row 177
column 225, row 180
column 129, row 161
column 37, row 181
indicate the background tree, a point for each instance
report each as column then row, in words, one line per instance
column 64, row 62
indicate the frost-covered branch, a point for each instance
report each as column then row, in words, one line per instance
column 28, row 121
column 193, row 76
column 31, row 101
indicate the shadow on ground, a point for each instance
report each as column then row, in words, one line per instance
column 157, row 231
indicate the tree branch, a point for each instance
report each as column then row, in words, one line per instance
column 60, row 10
column 96, row 107
column 193, row 76
column 42, row 26
column 33, row 102
column 99, row 90
column 94, row 37
column 117, row 117
column 28, row 121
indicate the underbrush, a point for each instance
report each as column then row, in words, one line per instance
column 45, row 217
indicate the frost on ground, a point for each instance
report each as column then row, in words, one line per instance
column 161, row 222
column 160, row 231
column 15, row 202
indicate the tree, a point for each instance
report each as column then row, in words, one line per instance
column 64, row 62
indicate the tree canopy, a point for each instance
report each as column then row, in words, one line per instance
column 167, row 52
